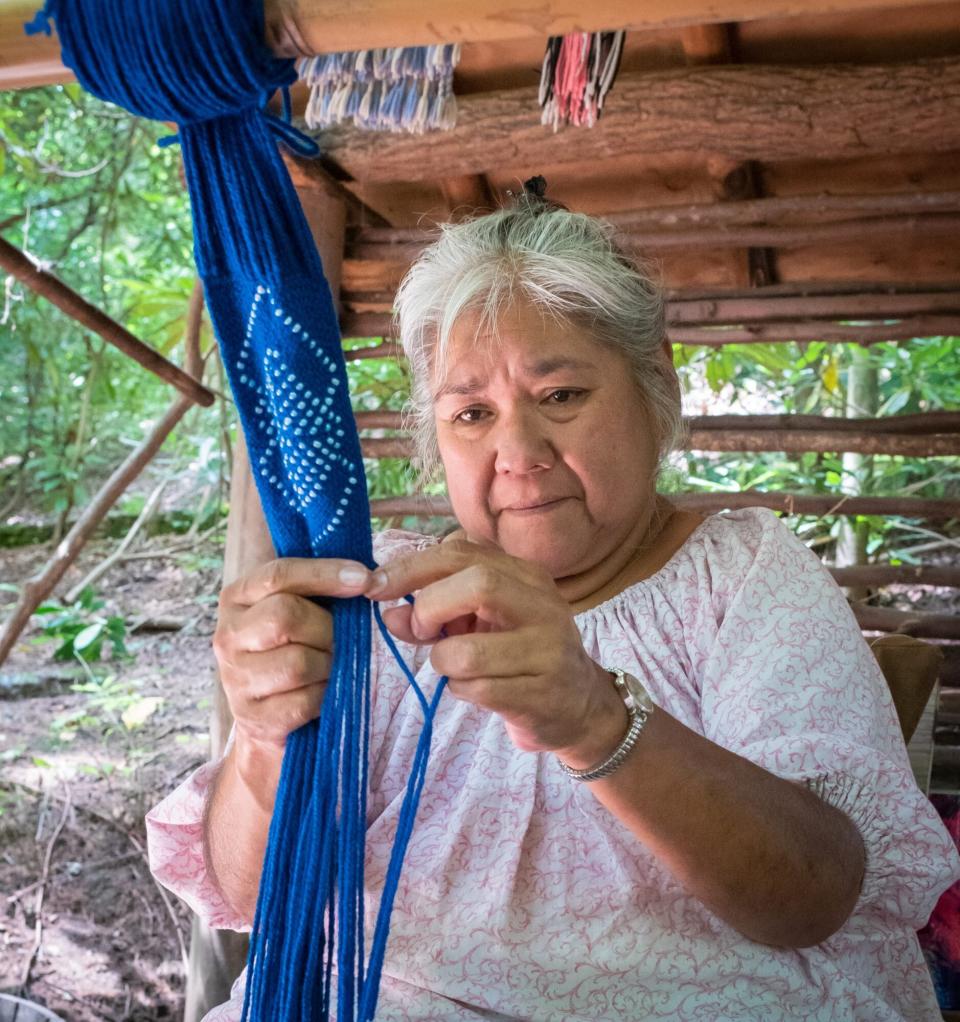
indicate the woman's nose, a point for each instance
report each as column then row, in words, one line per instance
column 522, row 444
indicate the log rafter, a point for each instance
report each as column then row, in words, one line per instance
column 730, row 235
column 744, row 112
column 919, row 424
column 819, row 505
column 794, row 441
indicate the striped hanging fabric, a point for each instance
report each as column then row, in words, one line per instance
column 578, row 72
column 203, row 64
column 407, row 89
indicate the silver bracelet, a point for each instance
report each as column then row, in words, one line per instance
column 639, row 708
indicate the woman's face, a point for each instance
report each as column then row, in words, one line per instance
column 547, row 446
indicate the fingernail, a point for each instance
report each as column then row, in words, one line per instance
column 378, row 581
column 353, row 576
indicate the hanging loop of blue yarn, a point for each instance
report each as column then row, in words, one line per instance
column 203, row 65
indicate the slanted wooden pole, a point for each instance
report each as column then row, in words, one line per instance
column 37, row 589
column 78, row 308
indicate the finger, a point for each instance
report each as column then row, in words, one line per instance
column 397, row 620
column 409, row 574
column 300, row 575
column 497, row 600
column 516, row 697
column 258, row 676
column 493, row 655
column 274, row 718
column 277, row 620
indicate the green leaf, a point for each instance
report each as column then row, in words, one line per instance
column 88, row 636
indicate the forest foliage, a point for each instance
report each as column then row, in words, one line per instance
column 87, row 192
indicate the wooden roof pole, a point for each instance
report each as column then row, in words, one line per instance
column 299, row 27
column 324, row 26
column 79, row 309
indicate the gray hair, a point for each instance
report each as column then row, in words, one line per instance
column 566, row 264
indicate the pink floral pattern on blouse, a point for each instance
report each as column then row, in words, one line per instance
column 523, row 898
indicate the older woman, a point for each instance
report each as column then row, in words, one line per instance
column 667, row 781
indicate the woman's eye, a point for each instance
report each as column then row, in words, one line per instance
column 469, row 415
column 564, row 396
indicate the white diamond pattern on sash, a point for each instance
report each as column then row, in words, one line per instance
column 298, row 422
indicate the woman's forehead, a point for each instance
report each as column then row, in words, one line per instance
column 472, row 361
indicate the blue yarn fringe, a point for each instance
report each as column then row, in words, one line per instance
column 203, row 65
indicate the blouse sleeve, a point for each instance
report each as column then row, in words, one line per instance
column 176, row 850
column 789, row 683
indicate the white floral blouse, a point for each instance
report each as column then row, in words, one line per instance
column 523, row 898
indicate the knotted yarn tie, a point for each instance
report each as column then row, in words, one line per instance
column 41, row 21
column 203, row 65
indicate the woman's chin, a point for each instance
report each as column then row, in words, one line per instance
column 551, row 548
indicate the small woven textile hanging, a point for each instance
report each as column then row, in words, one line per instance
column 203, row 65
column 578, row 72
column 404, row 89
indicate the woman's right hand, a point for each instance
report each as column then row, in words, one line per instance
column 274, row 646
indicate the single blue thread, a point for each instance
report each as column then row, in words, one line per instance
column 203, row 65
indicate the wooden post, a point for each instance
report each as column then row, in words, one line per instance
column 218, row 956
column 861, row 400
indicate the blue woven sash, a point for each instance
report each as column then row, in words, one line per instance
column 203, row 64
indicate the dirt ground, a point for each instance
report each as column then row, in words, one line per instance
column 76, row 781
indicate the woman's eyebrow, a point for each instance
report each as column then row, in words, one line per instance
column 540, row 369
column 546, row 366
column 464, row 388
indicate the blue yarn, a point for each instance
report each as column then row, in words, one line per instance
column 203, row 65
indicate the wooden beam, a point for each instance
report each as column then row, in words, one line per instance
column 800, row 441
column 916, row 623
column 794, row 441
column 817, row 330
column 819, row 505
column 921, row 424
column 26, row 62
column 877, row 575
column 305, row 27
column 380, row 325
column 375, row 324
column 731, row 235
column 761, row 309
column 299, row 27
column 804, row 208
column 745, row 112
column 80, row 310
column 466, row 195
column 381, row 301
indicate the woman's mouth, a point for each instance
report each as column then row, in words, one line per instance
column 536, row 507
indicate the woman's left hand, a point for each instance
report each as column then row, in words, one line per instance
column 510, row 645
